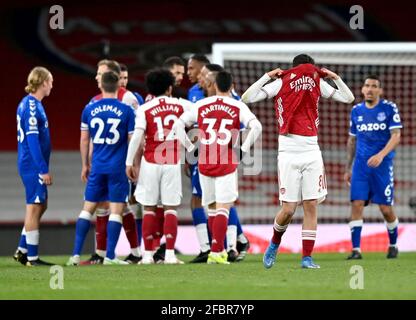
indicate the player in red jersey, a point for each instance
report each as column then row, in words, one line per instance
column 177, row 67
column 102, row 213
column 219, row 118
column 300, row 166
column 160, row 170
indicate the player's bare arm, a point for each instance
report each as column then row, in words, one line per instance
column 351, row 145
column 84, row 147
column 276, row 73
column 378, row 158
column 330, row 74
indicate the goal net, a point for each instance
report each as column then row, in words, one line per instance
column 395, row 63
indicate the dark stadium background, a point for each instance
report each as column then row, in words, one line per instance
column 142, row 34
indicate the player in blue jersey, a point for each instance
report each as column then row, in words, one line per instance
column 195, row 65
column 374, row 134
column 130, row 224
column 34, row 149
column 110, row 124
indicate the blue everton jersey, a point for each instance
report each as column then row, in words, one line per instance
column 371, row 127
column 34, row 144
column 109, row 122
column 196, row 93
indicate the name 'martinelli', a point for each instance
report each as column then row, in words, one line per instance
column 218, row 107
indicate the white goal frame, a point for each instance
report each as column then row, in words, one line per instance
column 323, row 52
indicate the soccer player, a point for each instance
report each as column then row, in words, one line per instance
column 102, row 214
column 177, row 67
column 110, row 124
column 197, row 73
column 195, row 65
column 124, row 80
column 374, row 134
column 219, row 119
column 300, row 165
column 34, row 149
column 160, row 170
column 135, row 256
column 237, row 243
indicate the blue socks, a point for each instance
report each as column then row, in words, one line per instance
column 139, row 230
column 393, row 231
column 115, row 222
column 81, row 230
column 198, row 216
column 356, row 227
column 22, row 242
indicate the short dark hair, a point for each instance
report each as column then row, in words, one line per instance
column 214, row 67
column 172, row 61
column 123, row 67
column 224, row 81
column 373, row 77
column 200, row 58
column 158, row 81
column 109, row 82
column 301, row 59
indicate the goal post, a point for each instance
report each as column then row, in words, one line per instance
column 395, row 63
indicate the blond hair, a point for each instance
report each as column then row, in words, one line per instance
column 35, row 79
column 111, row 64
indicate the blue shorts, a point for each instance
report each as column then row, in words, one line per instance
column 373, row 184
column 36, row 191
column 132, row 189
column 113, row 187
column 196, row 186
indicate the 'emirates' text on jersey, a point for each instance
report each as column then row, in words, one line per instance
column 32, row 120
column 109, row 122
column 371, row 127
column 296, row 103
column 156, row 118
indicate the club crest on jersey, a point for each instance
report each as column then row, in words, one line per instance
column 381, row 116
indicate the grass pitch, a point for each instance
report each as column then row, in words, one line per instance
column 383, row 279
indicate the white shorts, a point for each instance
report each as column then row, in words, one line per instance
column 301, row 176
column 159, row 183
column 222, row 189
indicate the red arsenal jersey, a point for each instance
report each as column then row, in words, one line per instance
column 296, row 103
column 218, row 121
column 120, row 94
column 156, row 118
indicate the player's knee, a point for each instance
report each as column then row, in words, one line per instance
column 358, row 204
column 196, row 202
column 288, row 212
column 386, row 211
